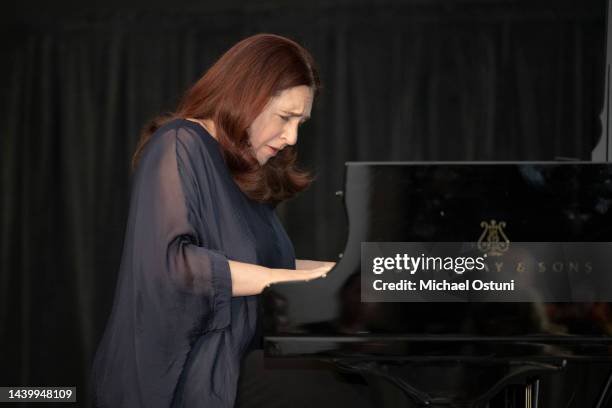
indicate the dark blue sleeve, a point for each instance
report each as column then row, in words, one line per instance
column 172, row 288
column 170, row 199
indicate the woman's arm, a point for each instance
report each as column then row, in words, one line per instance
column 250, row 279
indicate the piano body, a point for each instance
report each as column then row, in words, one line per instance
column 458, row 354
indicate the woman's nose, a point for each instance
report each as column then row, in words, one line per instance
column 291, row 135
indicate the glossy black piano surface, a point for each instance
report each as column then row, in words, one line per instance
column 431, row 202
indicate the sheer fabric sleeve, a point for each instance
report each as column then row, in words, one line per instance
column 182, row 283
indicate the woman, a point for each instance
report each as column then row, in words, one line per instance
column 202, row 238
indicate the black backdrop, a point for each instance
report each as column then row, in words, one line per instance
column 439, row 80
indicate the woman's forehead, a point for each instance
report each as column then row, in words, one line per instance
column 297, row 98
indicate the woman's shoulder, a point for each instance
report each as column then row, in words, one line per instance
column 184, row 128
column 180, row 141
column 188, row 135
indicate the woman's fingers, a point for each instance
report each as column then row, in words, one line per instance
column 293, row 275
column 308, row 264
column 319, row 272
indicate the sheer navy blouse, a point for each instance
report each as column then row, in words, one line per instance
column 175, row 336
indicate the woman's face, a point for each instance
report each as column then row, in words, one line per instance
column 277, row 125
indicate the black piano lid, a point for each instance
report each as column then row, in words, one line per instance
column 446, row 201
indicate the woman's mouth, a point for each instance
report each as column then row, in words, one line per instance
column 273, row 150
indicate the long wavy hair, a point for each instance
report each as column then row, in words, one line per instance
column 232, row 93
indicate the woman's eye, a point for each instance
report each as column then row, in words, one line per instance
column 285, row 118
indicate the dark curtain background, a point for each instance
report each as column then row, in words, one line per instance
column 443, row 80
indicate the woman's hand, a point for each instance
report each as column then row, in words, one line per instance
column 250, row 279
column 305, row 271
column 308, row 264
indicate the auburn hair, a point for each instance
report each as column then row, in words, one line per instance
column 232, row 93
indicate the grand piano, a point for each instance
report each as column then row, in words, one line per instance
column 458, row 354
column 544, row 353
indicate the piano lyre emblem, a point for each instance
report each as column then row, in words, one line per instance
column 493, row 241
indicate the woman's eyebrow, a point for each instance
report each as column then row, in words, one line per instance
column 296, row 114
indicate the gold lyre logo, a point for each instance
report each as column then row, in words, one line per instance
column 493, row 240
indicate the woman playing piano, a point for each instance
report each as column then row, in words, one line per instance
column 203, row 239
